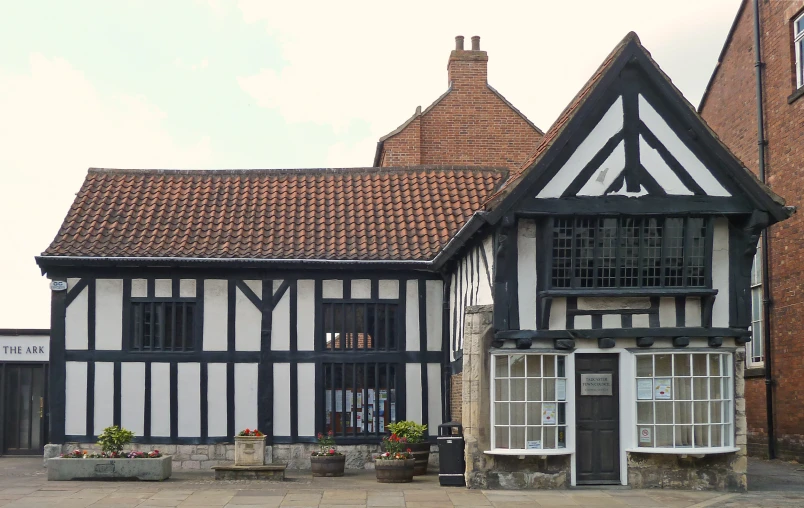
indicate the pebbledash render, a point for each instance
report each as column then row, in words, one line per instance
column 581, row 307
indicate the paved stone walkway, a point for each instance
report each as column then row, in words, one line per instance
column 23, row 483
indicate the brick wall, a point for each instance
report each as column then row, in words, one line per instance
column 470, row 125
column 730, row 109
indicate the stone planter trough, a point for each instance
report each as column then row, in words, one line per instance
column 157, row 469
column 249, row 450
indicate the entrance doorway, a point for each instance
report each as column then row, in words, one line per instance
column 23, row 408
column 597, row 420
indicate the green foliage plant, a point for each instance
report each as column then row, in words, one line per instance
column 113, row 439
column 413, row 432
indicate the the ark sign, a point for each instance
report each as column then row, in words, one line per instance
column 24, row 349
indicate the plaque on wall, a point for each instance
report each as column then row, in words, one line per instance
column 596, row 384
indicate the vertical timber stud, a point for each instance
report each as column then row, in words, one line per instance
column 117, row 392
column 294, row 365
column 446, row 371
column 506, row 312
column 56, row 401
column 265, row 370
column 174, row 400
column 231, row 315
column 422, row 285
column 319, row 344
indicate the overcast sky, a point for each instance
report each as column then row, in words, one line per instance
column 263, row 84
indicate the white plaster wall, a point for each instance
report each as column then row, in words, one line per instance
column 720, row 273
column 692, row 311
column 412, row 316
column 389, row 289
column 434, row 418
column 245, row 396
column 413, row 391
column 526, row 273
column 332, row 288
column 361, row 288
column 160, row 399
column 667, row 312
column 104, row 396
column 453, row 302
column 109, row 314
column 484, row 292
column 280, row 322
column 435, row 315
column 305, row 315
column 282, row 399
column 216, row 400
column 558, row 314
column 189, row 403
column 306, row 385
column 215, row 315
column 139, row 288
column 76, row 332
column 187, row 288
column 248, row 323
column 75, row 399
column 163, row 288
column 132, row 397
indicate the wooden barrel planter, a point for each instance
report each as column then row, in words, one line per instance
column 394, row 471
column 328, row 465
column 421, row 454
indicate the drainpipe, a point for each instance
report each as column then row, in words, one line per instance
column 766, row 300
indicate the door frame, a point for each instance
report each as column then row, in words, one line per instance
column 44, row 422
column 627, row 414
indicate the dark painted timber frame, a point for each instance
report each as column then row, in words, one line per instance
column 265, row 358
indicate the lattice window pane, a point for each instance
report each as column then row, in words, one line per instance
column 585, row 252
column 629, row 252
column 651, row 253
column 562, row 253
column 696, row 258
column 674, row 252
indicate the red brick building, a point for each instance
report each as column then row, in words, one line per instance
column 470, row 124
column 730, row 107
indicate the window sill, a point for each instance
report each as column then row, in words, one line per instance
column 530, row 453
column 692, row 452
column 754, row 372
column 607, row 292
column 796, row 95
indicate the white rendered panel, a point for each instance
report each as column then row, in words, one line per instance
column 413, row 391
column 605, row 175
column 248, row 323
column 160, row 399
column 361, row 288
column 332, row 288
column 76, row 331
column 484, row 296
column 434, row 417
column 389, row 289
column 612, row 321
column 667, row 312
column 215, row 315
column 246, row 396
column 72, row 282
column 688, row 160
column 452, row 310
column 582, row 322
column 189, row 395
column 187, row 288
column 306, row 396
column 412, row 316
column 104, row 396
column 216, row 400
column 305, row 322
column 282, row 399
column 692, row 312
column 132, row 397
column 558, row 314
column 75, row 398
column 109, row 314
column 609, row 125
column 660, row 171
column 434, row 291
column 720, row 273
column 280, row 323
column 640, row 320
column 488, row 248
column 163, row 288
column 526, row 273
column 139, row 288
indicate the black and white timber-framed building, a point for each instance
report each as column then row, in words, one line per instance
column 617, row 260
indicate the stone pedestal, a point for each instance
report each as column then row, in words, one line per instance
column 275, row 472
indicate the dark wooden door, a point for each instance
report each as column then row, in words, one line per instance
column 597, row 418
column 23, row 407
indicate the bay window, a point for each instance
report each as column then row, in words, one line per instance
column 684, row 400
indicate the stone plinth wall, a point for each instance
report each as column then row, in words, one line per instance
column 710, row 472
column 296, row 456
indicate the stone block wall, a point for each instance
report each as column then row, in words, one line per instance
column 456, row 397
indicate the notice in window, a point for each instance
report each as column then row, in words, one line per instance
column 338, row 401
column 359, row 420
column 393, row 412
column 348, row 400
column 644, row 435
column 644, row 389
column 360, row 399
column 534, row 445
column 661, row 389
column 549, row 413
column 561, row 389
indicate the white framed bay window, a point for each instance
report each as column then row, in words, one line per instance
column 528, row 403
column 684, row 402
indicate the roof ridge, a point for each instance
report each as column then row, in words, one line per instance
column 311, row 171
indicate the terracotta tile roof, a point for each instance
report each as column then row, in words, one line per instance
column 334, row 214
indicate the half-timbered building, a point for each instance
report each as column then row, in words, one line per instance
column 592, row 300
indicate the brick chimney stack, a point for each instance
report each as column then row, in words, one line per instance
column 467, row 68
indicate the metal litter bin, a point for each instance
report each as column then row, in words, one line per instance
column 452, row 464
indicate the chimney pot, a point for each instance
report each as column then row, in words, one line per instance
column 459, row 42
column 475, row 43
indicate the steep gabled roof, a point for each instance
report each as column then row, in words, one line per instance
column 363, row 214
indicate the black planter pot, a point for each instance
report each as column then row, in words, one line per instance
column 327, row 465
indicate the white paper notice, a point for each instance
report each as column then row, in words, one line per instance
column 644, row 389
column 661, row 389
column 360, row 420
column 393, row 412
column 360, row 399
column 348, row 400
column 644, row 435
column 534, row 445
column 549, row 413
column 370, row 397
column 328, row 396
column 561, row 389
column 338, row 401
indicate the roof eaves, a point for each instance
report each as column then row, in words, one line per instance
column 515, row 109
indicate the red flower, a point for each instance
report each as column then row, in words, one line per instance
column 408, row 450
column 320, row 436
column 332, row 451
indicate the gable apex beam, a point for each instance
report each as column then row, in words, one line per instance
column 630, row 132
column 650, row 183
column 682, row 174
column 593, row 165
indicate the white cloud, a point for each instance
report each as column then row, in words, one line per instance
column 55, row 124
column 203, row 64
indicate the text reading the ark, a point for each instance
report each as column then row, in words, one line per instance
column 595, row 384
column 34, row 349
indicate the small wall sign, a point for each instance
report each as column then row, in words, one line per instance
column 644, row 435
column 24, row 349
column 58, row 285
column 596, row 384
